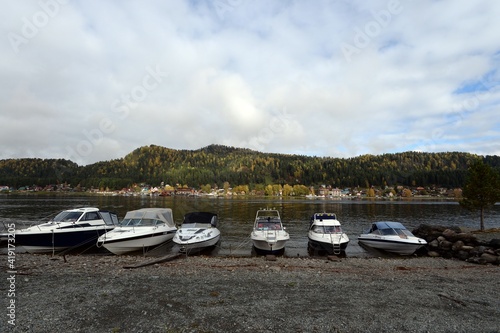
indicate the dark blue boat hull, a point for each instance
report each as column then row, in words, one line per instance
column 46, row 242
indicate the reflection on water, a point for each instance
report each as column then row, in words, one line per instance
column 236, row 215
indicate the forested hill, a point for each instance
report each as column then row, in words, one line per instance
column 216, row 164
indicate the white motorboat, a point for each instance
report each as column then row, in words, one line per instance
column 70, row 229
column 325, row 234
column 141, row 229
column 268, row 235
column 197, row 232
column 391, row 237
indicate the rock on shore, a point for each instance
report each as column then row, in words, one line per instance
column 453, row 242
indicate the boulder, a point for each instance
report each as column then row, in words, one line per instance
column 466, row 237
column 434, row 244
column 494, row 243
column 474, row 260
column 449, row 234
column 445, row 245
column 462, row 255
column 490, row 251
column 488, row 258
column 457, row 246
column 430, row 233
column 477, row 250
column 433, row 254
column 453, row 242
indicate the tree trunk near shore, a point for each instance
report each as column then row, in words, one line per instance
column 482, row 218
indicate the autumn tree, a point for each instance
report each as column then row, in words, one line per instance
column 406, row 193
column 482, row 188
column 287, row 190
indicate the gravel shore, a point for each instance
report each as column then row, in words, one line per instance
column 93, row 293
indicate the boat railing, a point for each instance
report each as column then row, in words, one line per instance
column 336, row 243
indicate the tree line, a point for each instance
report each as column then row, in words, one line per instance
column 217, row 164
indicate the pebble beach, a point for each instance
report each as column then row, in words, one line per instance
column 94, row 293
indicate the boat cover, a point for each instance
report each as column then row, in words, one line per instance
column 200, row 218
column 389, row 228
column 162, row 214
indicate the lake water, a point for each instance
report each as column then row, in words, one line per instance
column 236, row 215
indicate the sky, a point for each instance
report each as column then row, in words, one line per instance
column 93, row 80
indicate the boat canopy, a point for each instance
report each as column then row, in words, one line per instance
column 109, row 217
column 389, row 228
column 149, row 217
column 200, row 220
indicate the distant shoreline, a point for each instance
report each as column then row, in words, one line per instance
column 239, row 196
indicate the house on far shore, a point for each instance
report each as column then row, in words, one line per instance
column 328, row 191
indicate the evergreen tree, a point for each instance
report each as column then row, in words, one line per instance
column 482, row 188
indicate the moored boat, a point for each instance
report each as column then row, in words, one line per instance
column 391, row 237
column 268, row 235
column 325, row 234
column 141, row 229
column 197, row 232
column 70, row 229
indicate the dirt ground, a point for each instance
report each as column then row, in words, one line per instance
column 216, row 294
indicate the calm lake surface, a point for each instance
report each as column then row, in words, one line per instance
column 236, row 215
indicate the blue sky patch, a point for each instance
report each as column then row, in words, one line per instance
column 485, row 83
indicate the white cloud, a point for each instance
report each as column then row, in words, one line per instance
column 272, row 76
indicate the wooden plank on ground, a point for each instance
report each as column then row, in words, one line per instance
column 155, row 261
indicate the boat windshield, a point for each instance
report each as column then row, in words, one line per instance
column 195, row 225
column 327, row 229
column 140, row 222
column 388, row 231
column 272, row 225
column 67, row 216
column 403, row 233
